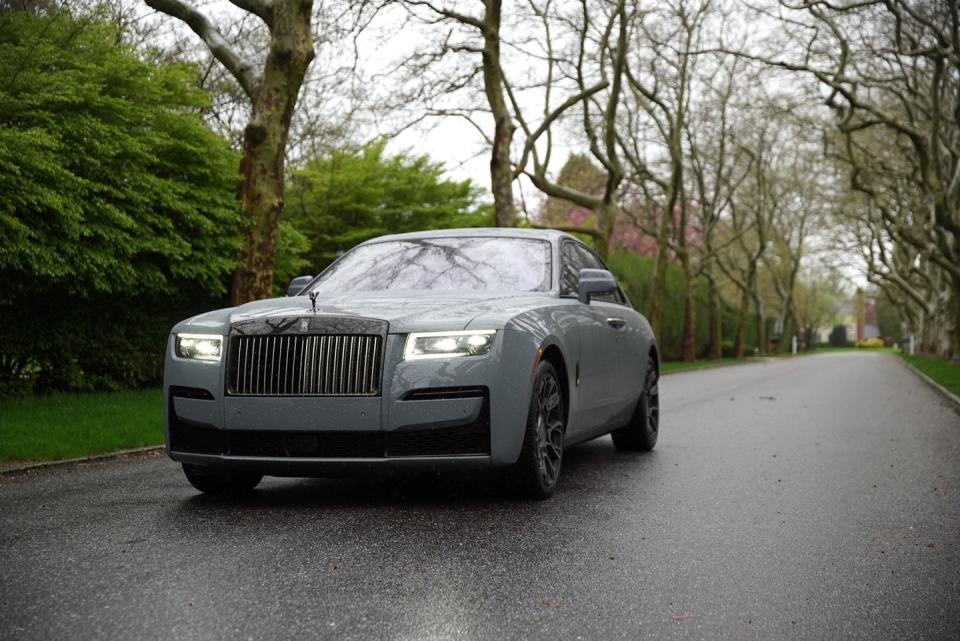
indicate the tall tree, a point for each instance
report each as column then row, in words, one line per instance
column 483, row 38
column 272, row 90
column 660, row 78
column 347, row 197
column 718, row 166
column 891, row 71
column 595, row 66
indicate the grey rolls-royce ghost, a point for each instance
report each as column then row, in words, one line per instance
column 468, row 348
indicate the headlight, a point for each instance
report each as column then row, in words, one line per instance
column 201, row 347
column 448, row 344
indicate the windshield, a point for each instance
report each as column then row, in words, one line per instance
column 473, row 264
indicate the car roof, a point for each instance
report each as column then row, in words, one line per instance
column 493, row 232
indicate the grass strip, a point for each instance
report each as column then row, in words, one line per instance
column 60, row 426
column 939, row 369
column 679, row 366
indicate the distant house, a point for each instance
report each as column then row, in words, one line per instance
column 843, row 315
column 858, row 316
column 867, row 324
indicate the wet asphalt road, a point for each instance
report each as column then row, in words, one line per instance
column 811, row 498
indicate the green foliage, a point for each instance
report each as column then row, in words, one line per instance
column 942, row 370
column 635, row 274
column 838, row 336
column 346, row 197
column 116, row 205
column 109, row 182
column 888, row 317
column 291, row 262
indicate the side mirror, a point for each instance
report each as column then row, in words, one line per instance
column 297, row 285
column 594, row 282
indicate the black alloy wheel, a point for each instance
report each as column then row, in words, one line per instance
column 640, row 434
column 538, row 468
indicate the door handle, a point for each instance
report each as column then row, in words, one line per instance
column 616, row 323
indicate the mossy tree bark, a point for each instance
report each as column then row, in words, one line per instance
column 273, row 93
column 501, row 172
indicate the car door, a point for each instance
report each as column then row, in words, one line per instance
column 624, row 374
column 632, row 347
column 597, row 396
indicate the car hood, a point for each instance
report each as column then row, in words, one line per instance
column 407, row 311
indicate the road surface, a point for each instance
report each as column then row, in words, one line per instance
column 808, row 498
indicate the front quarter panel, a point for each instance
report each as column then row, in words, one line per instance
column 505, row 372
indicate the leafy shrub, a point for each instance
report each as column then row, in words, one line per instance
column 117, row 214
column 838, row 337
column 870, row 343
column 727, row 348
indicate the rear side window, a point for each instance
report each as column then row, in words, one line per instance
column 575, row 257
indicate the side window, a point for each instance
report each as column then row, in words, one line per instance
column 591, row 261
column 571, row 262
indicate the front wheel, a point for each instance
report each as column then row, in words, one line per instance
column 640, row 434
column 538, row 468
column 214, row 481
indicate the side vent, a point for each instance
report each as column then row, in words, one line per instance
column 441, row 393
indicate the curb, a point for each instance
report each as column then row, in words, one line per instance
column 943, row 391
column 27, row 466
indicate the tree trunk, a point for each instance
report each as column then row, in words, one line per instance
column 786, row 336
column 715, row 320
column 501, row 173
column 261, row 191
column 739, row 340
column 761, row 322
column 659, row 285
column 789, row 325
column 955, row 335
column 606, row 220
column 688, row 334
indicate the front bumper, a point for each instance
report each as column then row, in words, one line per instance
column 463, row 413
column 333, row 467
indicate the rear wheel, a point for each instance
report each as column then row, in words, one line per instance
column 214, row 481
column 538, row 468
column 640, row 435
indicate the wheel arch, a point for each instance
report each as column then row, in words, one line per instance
column 656, row 356
column 554, row 355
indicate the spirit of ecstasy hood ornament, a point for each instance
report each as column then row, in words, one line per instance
column 313, row 300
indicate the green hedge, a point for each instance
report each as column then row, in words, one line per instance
column 635, row 273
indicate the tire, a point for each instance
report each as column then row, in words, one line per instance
column 213, row 481
column 537, row 471
column 640, row 434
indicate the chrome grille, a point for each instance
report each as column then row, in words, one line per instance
column 305, row 365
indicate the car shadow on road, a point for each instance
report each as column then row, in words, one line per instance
column 587, row 467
